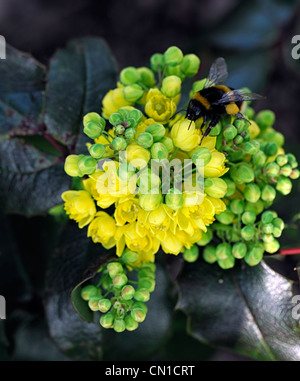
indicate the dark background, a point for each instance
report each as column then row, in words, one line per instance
column 253, row 36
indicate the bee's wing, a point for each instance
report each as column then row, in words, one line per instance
column 217, row 73
column 237, row 96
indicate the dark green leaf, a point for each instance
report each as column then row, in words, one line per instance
column 247, row 310
column 79, row 77
column 31, row 182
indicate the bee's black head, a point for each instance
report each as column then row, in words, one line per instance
column 193, row 111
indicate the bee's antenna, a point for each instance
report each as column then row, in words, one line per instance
column 190, row 124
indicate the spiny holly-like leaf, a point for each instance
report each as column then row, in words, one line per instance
column 31, row 181
column 79, row 77
column 22, row 84
column 247, row 309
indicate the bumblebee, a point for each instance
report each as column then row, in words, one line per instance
column 215, row 99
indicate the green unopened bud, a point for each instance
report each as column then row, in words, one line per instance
column 138, row 314
column 119, row 144
column 148, row 181
column 242, row 174
column 125, row 171
column 87, row 165
column 252, row 192
column 274, row 137
column 71, row 166
column 93, row 303
column 119, row 129
column 174, row 200
column 104, row 305
column 259, row 159
column 284, row 186
column 97, row 150
column 89, row 292
column 190, row 65
column 205, row 238
column 147, row 283
column 240, row 125
column 130, row 323
column 215, row 131
column 225, row 217
column 174, row 70
column 271, row 149
column 145, row 139
column 292, row 160
column 142, row 295
column 265, row 118
column 107, row 321
column 256, row 207
column 286, row 170
column 191, row 255
column 168, row 143
column 157, row 62
column 239, row 250
column 229, row 132
column 272, row 169
column 147, row 272
column 173, row 56
column 209, row 254
column 94, row 125
column 159, row 151
column 272, row 247
column 227, row 263
column 128, row 292
column 119, row 325
column 268, row 193
column 247, row 232
column 251, row 147
column 215, row 187
column 267, row 237
column 147, row 76
column 114, row 268
column 282, row 160
column 171, row 86
column 248, row 218
column 267, row 228
column 129, row 256
column 136, row 114
column 150, row 202
column 120, row 280
column 157, row 130
column 295, row 174
column 238, row 139
column 278, row 222
column 223, row 250
column 130, row 133
column 268, row 216
column 133, row 93
column 237, row 206
column 277, row 232
column 254, row 255
column 231, row 188
column 115, row 119
column 203, row 154
column 129, row 75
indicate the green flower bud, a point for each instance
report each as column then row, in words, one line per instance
column 87, row 165
column 284, row 186
column 240, row 125
column 202, row 153
column 128, row 292
column 229, row 132
column 133, row 93
column 157, row 130
column 130, row 133
column 114, row 268
column 150, row 202
column 157, row 62
column 104, row 305
column 136, row 114
column 252, row 192
column 147, row 76
column 94, row 125
column 89, row 292
column 256, row 207
column 93, row 303
column 171, row 86
column 267, row 228
column 239, row 250
column 223, row 250
column 107, row 320
column 272, row 169
column 173, row 56
column 248, row 218
column 119, row 144
column 271, row 149
column 265, row 119
column 115, row 119
column 238, row 140
column 107, row 283
column 148, row 181
column 147, row 283
column 173, row 70
column 120, row 280
column 159, row 151
column 252, row 147
column 295, row 174
column 190, row 65
column 247, row 232
column 215, row 131
column 237, row 206
column 129, row 75
column 125, row 171
column 119, row 129
column 292, row 160
column 119, row 325
column 272, row 247
column 130, row 323
column 174, row 200
column 97, row 150
column 254, row 255
column 146, row 272
column 277, row 232
column 206, row 238
column 71, row 166
column 142, row 295
column 227, row 263
column 138, row 314
column 274, row 137
column 231, row 188
column 278, row 223
column 209, row 254
column 225, row 217
column 267, row 237
column 286, row 170
column 191, row 255
column 168, row 143
column 145, row 139
column 259, row 159
column 282, row 160
column 268, row 216
column 215, row 187
column 268, row 193
column 242, row 173
column 129, row 256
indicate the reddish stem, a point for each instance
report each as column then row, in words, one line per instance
column 293, row 251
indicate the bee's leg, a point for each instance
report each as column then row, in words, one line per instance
column 203, row 123
column 212, row 124
column 239, row 115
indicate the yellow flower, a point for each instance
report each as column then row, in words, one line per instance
column 113, row 101
column 157, row 221
column 137, row 155
column 141, row 127
column 102, row 229
column 127, row 210
column 159, row 107
column 184, row 135
column 79, row 206
column 104, row 200
column 216, row 166
column 253, row 129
